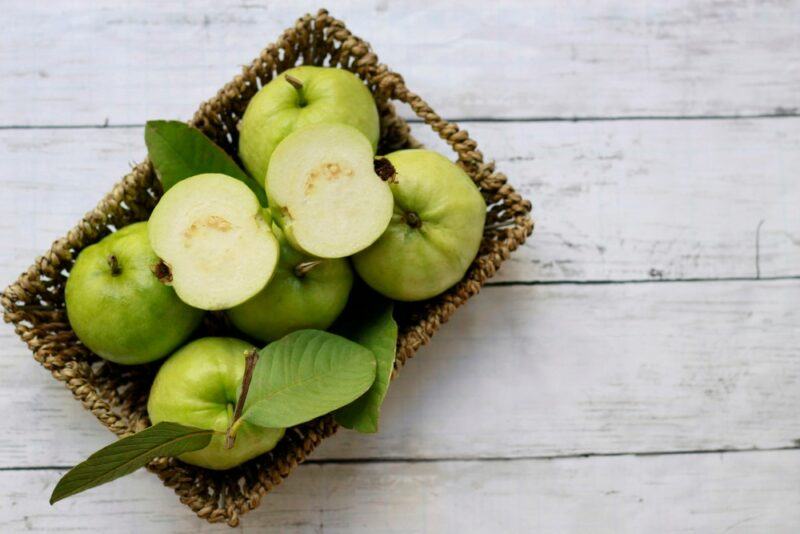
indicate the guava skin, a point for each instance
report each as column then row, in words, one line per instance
column 435, row 233
column 126, row 316
column 295, row 301
column 328, row 95
column 197, row 387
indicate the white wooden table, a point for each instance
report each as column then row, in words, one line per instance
column 633, row 369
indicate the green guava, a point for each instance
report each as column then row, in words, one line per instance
column 435, row 233
column 305, row 292
column 118, row 307
column 197, row 386
column 300, row 97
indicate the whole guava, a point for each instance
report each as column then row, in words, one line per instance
column 117, row 306
column 305, row 292
column 435, row 232
column 198, row 386
column 300, row 97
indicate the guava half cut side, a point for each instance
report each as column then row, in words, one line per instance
column 324, row 193
column 210, row 232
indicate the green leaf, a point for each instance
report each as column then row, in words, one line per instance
column 306, row 374
column 368, row 321
column 129, row 454
column 179, row 151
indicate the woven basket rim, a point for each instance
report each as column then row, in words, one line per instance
column 34, row 302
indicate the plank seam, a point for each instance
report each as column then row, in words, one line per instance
column 477, row 459
column 784, row 114
column 506, row 283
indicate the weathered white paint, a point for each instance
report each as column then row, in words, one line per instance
column 731, row 493
column 652, row 199
column 90, row 62
column 521, row 372
column 611, row 202
column 538, row 371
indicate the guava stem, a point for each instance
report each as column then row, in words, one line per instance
column 302, row 269
column 114, row 264
column 249, row 365
column 384, row 169
column 162, row 272
column 298, row 85
column 413, row 220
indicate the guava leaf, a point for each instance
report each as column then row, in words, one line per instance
column 306, row 374
column 179, row 151
column 129, row 454
column 368, row 321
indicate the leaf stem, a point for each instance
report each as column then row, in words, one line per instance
column 250, row 364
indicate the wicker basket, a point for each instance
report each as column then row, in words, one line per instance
column 117, row 395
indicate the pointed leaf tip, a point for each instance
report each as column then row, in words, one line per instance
column 129, row 454
column 179, row 151
column 369, row 322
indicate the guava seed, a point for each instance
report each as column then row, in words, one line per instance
column 330, row 171
column 214, row 222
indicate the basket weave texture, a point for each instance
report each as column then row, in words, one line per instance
column 117, row 395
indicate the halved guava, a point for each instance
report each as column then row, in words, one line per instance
column 324, row 192
column 217, row 248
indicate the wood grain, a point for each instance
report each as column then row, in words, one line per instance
column 611, row 202
column 89, row 62
column 536, row 371
column 732, row 493
column 602, row 356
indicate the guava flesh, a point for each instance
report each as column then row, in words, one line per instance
column 324, row 192
column 210, row 231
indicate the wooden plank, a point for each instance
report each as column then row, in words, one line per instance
column 535, row 371
column 734, row 493
column 652, row 200
column 89, row 62
column 634, row 200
